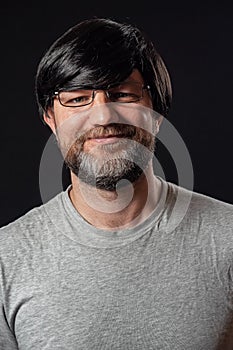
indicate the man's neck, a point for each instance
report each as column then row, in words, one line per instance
column 112, row 210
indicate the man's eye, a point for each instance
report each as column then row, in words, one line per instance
column 116, row 96
column 78, row 99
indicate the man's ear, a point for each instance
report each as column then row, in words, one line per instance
column 49, row 119
column 160, row 119
column 158, row 122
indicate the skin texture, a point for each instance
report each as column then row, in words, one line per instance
column 125, row 205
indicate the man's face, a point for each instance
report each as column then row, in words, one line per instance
column 106, row 142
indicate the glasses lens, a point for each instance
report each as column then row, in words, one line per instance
column 76, row 98
column 126, row 92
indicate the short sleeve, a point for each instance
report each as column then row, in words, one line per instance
column 7, row 339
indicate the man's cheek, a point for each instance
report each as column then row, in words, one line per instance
column 70, row 149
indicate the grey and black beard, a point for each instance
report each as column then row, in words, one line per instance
column 109, row 171
column 106, row 181
column 106, row 165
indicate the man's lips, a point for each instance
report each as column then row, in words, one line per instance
column 105, row 139
column 105, row 136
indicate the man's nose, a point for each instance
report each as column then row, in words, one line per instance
column 100, row 96
column 103, row 113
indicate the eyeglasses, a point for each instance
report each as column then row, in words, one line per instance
column 125, row 92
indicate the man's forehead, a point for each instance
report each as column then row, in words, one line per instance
column 135, row 76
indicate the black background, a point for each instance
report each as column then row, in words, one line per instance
column 196, row 43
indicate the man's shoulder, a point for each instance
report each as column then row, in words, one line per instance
column 205, row 206
column 34, row 219
column 211, row 205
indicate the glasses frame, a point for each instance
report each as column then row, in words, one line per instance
column 143, row 87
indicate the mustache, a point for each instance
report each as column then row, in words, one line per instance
column 117, row 130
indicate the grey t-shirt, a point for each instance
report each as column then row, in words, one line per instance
column 67, row 285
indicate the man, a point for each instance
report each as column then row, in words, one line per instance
column 102, row 265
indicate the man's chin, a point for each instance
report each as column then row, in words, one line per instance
column 104, row 181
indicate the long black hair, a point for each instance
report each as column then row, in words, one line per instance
column 98, row 52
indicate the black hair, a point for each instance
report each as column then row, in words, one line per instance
column 98, row 52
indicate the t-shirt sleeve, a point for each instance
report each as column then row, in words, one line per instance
column 7, row 339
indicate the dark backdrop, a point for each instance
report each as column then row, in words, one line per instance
column 195, row 43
